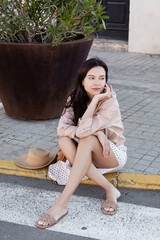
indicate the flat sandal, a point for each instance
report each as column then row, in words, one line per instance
column 50, row 220
column 109, row 204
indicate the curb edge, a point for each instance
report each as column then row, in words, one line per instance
column 119, row 179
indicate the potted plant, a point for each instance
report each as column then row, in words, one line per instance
column 42, row 45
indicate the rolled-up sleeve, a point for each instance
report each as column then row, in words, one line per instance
column 66, row 126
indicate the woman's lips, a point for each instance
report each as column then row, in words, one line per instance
column 96, row 89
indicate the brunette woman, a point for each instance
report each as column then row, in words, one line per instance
column 91, row 137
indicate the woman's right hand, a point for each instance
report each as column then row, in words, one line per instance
column 106, row 95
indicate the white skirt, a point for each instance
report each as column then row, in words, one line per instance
column 59, row 172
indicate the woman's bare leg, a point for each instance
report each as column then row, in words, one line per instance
column 82, row 166
column 69, row 147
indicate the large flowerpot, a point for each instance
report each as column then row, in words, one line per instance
column 35, row 78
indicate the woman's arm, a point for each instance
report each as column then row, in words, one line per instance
column 90, row 110
column 96, row 99
column 107, row 113
column 66, row 126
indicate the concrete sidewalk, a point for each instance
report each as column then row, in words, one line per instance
column 136, row 80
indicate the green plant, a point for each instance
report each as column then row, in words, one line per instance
column 32, row 21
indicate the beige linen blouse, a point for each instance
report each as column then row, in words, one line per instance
column 106, row 123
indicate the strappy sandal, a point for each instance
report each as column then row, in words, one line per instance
column 109, row 204
column 49, row 220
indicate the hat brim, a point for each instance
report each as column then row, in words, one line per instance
column 21, row 161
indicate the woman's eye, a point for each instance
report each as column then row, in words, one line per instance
column 102, row 78
column 91, row 78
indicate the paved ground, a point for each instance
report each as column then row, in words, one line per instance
column 136, row 79
column 23, row 200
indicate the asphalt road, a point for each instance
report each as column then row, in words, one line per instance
column 22, row 200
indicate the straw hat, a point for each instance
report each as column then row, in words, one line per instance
column 35, row 158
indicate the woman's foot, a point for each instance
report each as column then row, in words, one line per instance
column 110, row 205
column 54, row 214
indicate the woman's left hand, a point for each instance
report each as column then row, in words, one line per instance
column 105, row 143
column 106, row 149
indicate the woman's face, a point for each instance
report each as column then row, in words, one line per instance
column 94, row 81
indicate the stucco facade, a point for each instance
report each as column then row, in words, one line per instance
column 144, row 26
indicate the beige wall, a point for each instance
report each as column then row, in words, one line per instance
column 144, row 26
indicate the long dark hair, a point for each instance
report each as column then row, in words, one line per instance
column 78, row 97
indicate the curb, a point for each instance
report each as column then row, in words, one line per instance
column 125, row 180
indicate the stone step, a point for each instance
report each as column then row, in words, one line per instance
column 110, row 44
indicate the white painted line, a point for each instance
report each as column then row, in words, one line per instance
column 23, row 205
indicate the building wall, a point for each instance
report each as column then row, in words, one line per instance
column 144, row 26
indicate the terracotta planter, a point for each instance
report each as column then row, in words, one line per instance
column 35, row 78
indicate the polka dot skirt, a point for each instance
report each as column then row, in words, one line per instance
column 59, row 172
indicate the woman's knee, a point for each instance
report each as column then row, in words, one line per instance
column 90, row 141
column 62, row 141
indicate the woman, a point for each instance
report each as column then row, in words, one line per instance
column 91, row 137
